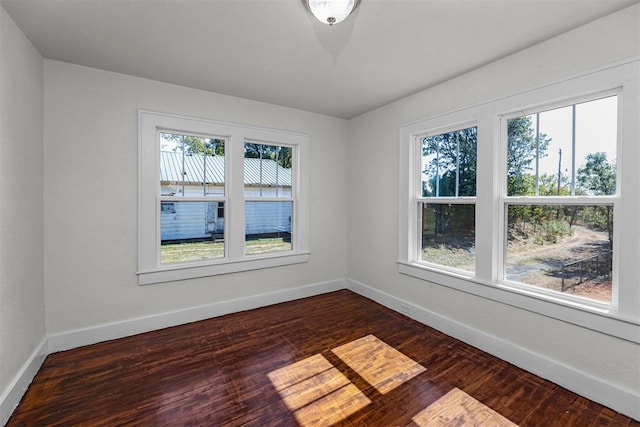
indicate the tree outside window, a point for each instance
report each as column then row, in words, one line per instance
column 448, row 187
column 558, row 239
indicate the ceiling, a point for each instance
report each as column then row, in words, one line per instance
column 274, row 50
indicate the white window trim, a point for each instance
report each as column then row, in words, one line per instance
column 149, row 268
column 621, row 318
column 436, row 200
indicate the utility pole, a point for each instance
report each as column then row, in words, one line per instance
column 559, row 168
column 559, row 176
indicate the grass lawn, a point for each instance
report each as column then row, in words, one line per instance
column 200, row 251
column 455, row 257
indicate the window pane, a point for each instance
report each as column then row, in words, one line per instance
column 542, row 148
column 191, row 166
column 561, row 248
column 449, row 164
column 191, row 231
column 267, row 170
column 268, row 227
column 448, row 235
column 596, row 147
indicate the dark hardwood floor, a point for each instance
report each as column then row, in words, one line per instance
column 334, row 358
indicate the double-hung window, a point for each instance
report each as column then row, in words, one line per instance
column 218, row 198
column 532, row 200
column 561, row 197
column 446, row 197
column 192, row 197
column 268, row 192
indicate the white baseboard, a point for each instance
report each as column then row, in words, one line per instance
column 599, row 390
column 94, row 334
column 12, row 395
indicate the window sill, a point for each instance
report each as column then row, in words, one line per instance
column 172, row 273
column 597, row 317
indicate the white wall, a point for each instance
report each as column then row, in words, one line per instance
column 91, row 164
column 22, row 319
column 373, row 201
column 89, row 168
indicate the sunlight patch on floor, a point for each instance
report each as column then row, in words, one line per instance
column 457, row 408
column 316, row 392
column 381, row 365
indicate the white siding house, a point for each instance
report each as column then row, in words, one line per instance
column 197, row 175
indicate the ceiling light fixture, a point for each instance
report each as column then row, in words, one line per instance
column 331, row 11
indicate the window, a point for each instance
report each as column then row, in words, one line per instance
column 447, row 197
column 561, row 198
column 268, row 193
column 192, row 190
column 540, row 192
column 217, row 198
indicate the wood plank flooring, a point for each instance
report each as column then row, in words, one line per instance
column 306, row 362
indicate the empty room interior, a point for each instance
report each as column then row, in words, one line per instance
column 411, row 213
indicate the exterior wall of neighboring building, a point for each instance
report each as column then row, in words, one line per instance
column 204, row 220
column 267, row 217
column 184, row 175
column 191, row 220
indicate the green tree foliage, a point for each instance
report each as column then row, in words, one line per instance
column 540, row 223
column 451, row 224
column 450, row 161
column 452, row 164
column 270, row 152
column 548, row 185
column 598, row 177
column 190, row 144
column 523, row 149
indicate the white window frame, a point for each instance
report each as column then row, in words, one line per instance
column 436, row 200
column 150, row 270
column 621, row 317
column 558, row 200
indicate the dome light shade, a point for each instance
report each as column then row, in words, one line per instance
column 331, row 11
